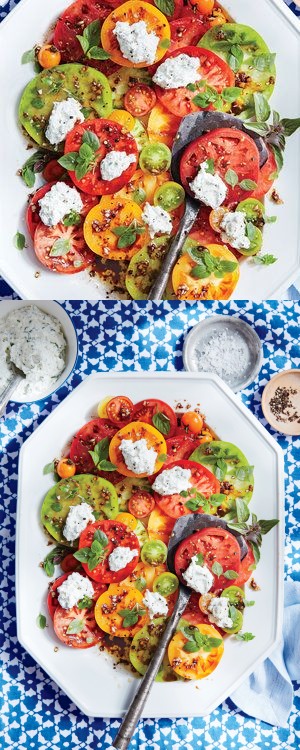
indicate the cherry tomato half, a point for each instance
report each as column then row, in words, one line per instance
column 141, row 504
column 140, row 99
column 119, row 410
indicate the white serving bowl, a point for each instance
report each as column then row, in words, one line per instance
column 58, row 312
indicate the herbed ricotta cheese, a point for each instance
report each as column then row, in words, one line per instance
column 208, row 188
column 219, row 609
column 177, row 71
column 120, row 557
column 172, row 481
column 77, row 520
column 157, row 219
column 33, row 341
column 58, row 202
column 115, row 163
column 63, row 117
column 198, row 577
column 155, row 603
column 234, row 230
column 73, row 589
column 135, row 42
column 138, row 457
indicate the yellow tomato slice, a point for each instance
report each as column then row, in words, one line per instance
column 162, row 126
column 216, row 216
column 112, row 212
column 136, row 431
column 195, row 665
column 190, row 288
column 148, row 572
column 143, row 181
column 160, row 526
column 116, row 598
column 101, row 409
column 122, row 117
column 127, row 519
column 132, row 12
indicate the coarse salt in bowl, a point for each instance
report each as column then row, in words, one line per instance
column 55, row 310
column 227, row 346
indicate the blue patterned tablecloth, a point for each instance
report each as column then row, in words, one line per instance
column 149, row 336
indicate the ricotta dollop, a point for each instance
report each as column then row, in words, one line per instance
column 120, row 557
column 138, row 457
column 73, row 589
column 58, row 202
column 198, row 577
column 135, row 42
column 208, row 188
column 234, row 230
column 157, row 219
column 219, row 612
column 171, row 481
column 177, row 71
column 115, row 163
column 77, row 520
column 155, row 603
column 63, row 117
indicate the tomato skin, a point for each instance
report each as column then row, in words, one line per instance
column 202, row 231
column 187, row 31
column 119, row 410
column 193, row 421
column 90, row 635
column 74, row 261
column 49, row 56
column 85, row 440
column 53, row 171
column 139, row 99
column 118, row 536
column 65, row 468
column 202, row 6
column 180, row 447
column 144, row 411
column 69, row 564
column 265, row 181
column 52, row 596
column 193, row 614
column 73, row 21
column 216, row 545
column 245, row 573
column 201, row 478
column 141, row 504
column 132, row 12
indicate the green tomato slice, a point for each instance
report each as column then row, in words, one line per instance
column 248, row 55
column 84, row 488
column 236, row 596
column 253, row 209
column 122, row 79
column 235, row 474
column 154, row 552
column 166, row 584
column 256, row 240
column 237, row 620
column 143, row 647
column 169, row 196
column 139, row 133
column 155, row 158
column 144, row 267
column 87, row 85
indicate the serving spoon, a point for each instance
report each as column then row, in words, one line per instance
column 6, row 395
column 184, row 527
column 192, row 127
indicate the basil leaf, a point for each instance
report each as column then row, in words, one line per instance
column 37, row 102
column 166, row 6
column 261, row 106
column 69, row 161
column 217, row 499
column 266, row 526
column 19, row 241
column 191, row 647
column 265, row 260
column 196, row 253
column 161, row 422
column 231, row 178
column 199, row 272
column 28, row 56
column 242, row 510
column 41, row 621
column 231, row 93
column 85, row 603
column 210, row 166
column 235, row 57
column 28, row 176
column 97, row 53
column 264, row 61
column 106, row 465
column 53, row 558
column 48, row 567
column 257, row 127
column 91, row 139
column 250, row 231
column 82, row 554
column 85, row 151
column 217, row 569
column 226, row 266
column 221, row 469
column 200, row 559
column 244, row 636
column 99, row 536
column 72, row 219
column 92, row 33
column 76, row 626
column 290, row 125
column 84, row 43
column 248, row 185
column 49, row 468
column 60, row 248
column 100, row 452
column 278, row 156
column 231, row 574
column 82, row 168
column 56, row 507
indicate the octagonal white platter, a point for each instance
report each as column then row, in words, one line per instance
column 88, row 676
column 27, row 25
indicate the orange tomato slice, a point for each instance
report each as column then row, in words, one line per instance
column 190, row 288
column 195, row 665
column 116, row 598
column 148, row 572
column 132, row 12
column 162, row 125
column 136, row 431
column 123, row 118
column 160, row 526
column 146, row 182
column 112, row 212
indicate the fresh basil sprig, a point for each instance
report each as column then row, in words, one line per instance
column 165, row 6
column 206, row 264
column 264, row 260
column 81, row 162
column 127, row 234
column 19, row 241
column 72, row 219
column 232, row 179
column 89, row 42
column 254, row 531
column 100, row 455
column 33, row 166
column 60, row 247
column 131, row 616
column 94, row 554
column 273, row 133
column 54, row 557
column 244, row 636
column 196, row 500
column 161, row 422
column 196, row 641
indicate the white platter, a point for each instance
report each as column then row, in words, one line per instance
column 24, row 27
column 88, row 677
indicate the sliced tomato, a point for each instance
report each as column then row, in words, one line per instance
column 212, row 69
column 246, row 569
column 146, row 411
column 118, row 535
column 133, row 12
column 85, row 440
column 137, row 431
column 87, row 633
column 180, row 447
column 52, row 598
column 53, row 171
column 33, row 210
column 216, row 545
column 193, row 613
column 267, row 176
column 73, row 21
column 202, row 231
column 69, row 564
column 139, row 99
column 102, row 221
column 201, row 478
column 230, row 149
column 62, row 249
column 162, row 125
column 112, row 137
column 187, row 31
column 119, row 410
column 141, row 504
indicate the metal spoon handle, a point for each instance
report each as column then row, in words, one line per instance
column 130, row 721
column 187, row 221
column 8, row 392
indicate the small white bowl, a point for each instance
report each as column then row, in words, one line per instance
column 58, row 312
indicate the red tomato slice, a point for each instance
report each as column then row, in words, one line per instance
column 73, row 21
column 193, row 614
column 118, row 536
column 216, row 545
column 33, row 211
column 112, row 137
column 85, row 441
column 144, row 411
column 245, row 570
column 139, row 99
column 69, row 564
column 119, row 410
column 212, row 69
column 202, row 232
column 89, row 634
column 201, row 478
column 52, row 598
column 76, row 259
column 266, row 177
column 187, row 31
column 229, row 149
column 141, row 504
column 53, row 171
column 180, row 447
